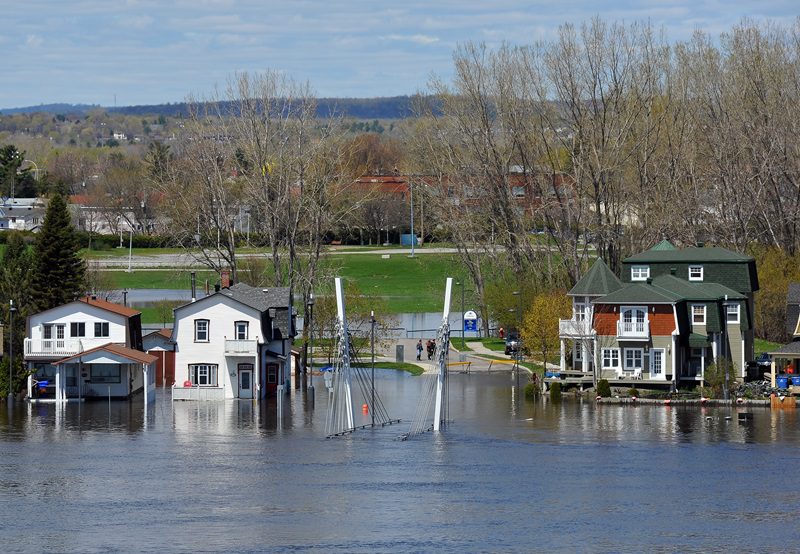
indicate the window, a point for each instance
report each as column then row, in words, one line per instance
column 101, row 329
column 518, row 191
column 77, row 329
column 634, row 320
column 203, row 375
column 633, row 359
column 578, row 352
column 60, row 331
column 610, row 358
column 695, row 272
column 580, row 312
column 657, row 361
column 200, row 330
column 106, row 373
column 640, row 272
column 732, row 313
column 47, row 331
column 698, row 314
column 240, row 330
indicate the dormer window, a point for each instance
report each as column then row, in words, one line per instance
column 698, row 314
column 580, row 311
column 695, row 272
column 732, row 313
column 640, row 272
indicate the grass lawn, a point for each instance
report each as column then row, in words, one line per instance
column 402, row 366
column 761, row 345
column 159, row 279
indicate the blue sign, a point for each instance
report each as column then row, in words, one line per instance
column 470, row 325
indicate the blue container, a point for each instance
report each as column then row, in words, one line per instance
column 796, row 380
column 782, row 382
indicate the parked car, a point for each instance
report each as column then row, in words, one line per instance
column 764, row 361
column 512, row 343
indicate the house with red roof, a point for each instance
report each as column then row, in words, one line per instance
column 85, row 348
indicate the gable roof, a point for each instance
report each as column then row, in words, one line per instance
column 260, row 299
column 598, row 281
column 664, row 245
column 119, row 350
column 640, row 293
column 697, row 254
column 109, row 306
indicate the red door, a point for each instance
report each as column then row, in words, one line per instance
column 272, row 379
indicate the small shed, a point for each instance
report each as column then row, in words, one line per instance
column 787, row 356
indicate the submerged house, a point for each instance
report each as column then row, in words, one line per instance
column 89, row 347
column 235, row 343
column 674, row 312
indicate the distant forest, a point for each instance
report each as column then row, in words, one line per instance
column 394, row 107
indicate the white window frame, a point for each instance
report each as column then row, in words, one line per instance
column 640, row 272
column 610, row 358
column 703, row 306
column 578, row 352
column 203, row 375
column 640, row 351
column 202, row 335
column 732, row 309
column 102, row 329
column 698, row 272
column 580, row 311
column 241, row 326
column 635, row 323
column 77, row 329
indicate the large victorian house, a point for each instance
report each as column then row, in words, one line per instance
column 674, row 312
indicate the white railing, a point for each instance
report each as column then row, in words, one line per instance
column 633, row 329
column 52, row 348
column 240, row 347
column 574, row 328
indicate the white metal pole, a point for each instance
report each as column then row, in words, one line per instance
column 130, row 248
column 437, row 414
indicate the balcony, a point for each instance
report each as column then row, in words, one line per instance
column 241, row 347
column 571, row 328
column 633, row 330
column 52, row 348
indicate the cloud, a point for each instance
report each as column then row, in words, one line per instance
column 416, row 39
column 33, row 41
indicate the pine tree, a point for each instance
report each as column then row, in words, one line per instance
column 58, row 272
column 14, row 271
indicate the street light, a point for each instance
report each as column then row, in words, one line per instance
column 310, row 359
column 372, row 347
column 11, row 311
column 463, row 343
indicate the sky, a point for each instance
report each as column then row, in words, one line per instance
column 132, row 52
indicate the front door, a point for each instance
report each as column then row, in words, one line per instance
column 656, row 363
column 272, row 379
column 245, row 383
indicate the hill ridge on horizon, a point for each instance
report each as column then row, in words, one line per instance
column 380, row 107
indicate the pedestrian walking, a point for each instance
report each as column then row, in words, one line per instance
column 419, row 350
column 431, row 348
column 502, row 333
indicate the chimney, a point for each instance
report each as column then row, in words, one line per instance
column 649, row 280
column 216, row 287
column 673, row 270
column 225, row 278
column 194, row 286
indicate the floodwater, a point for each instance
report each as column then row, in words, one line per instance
column 506, row 475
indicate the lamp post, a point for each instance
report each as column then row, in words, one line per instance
column 310, row 359
column 463, row 343
column 11, row 310
column 372, row 347
column 130, row 248
column 411, row 189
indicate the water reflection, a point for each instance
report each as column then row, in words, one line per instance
column 508, row 474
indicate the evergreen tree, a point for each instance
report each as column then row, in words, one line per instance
column 14, row 271
column 58, row 273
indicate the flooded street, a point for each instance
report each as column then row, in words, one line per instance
column 507, row 475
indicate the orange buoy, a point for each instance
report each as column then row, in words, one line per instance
column 667, row 402
column 365, row 408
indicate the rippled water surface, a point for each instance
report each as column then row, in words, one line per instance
column 507, row 475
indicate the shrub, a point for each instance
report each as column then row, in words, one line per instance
column 603, row 388
column 633, row 391
column 555, row 392
column 531, row 391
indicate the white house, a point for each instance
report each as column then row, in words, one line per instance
column 91, row 341
column 22, row 214
column 235, row 343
